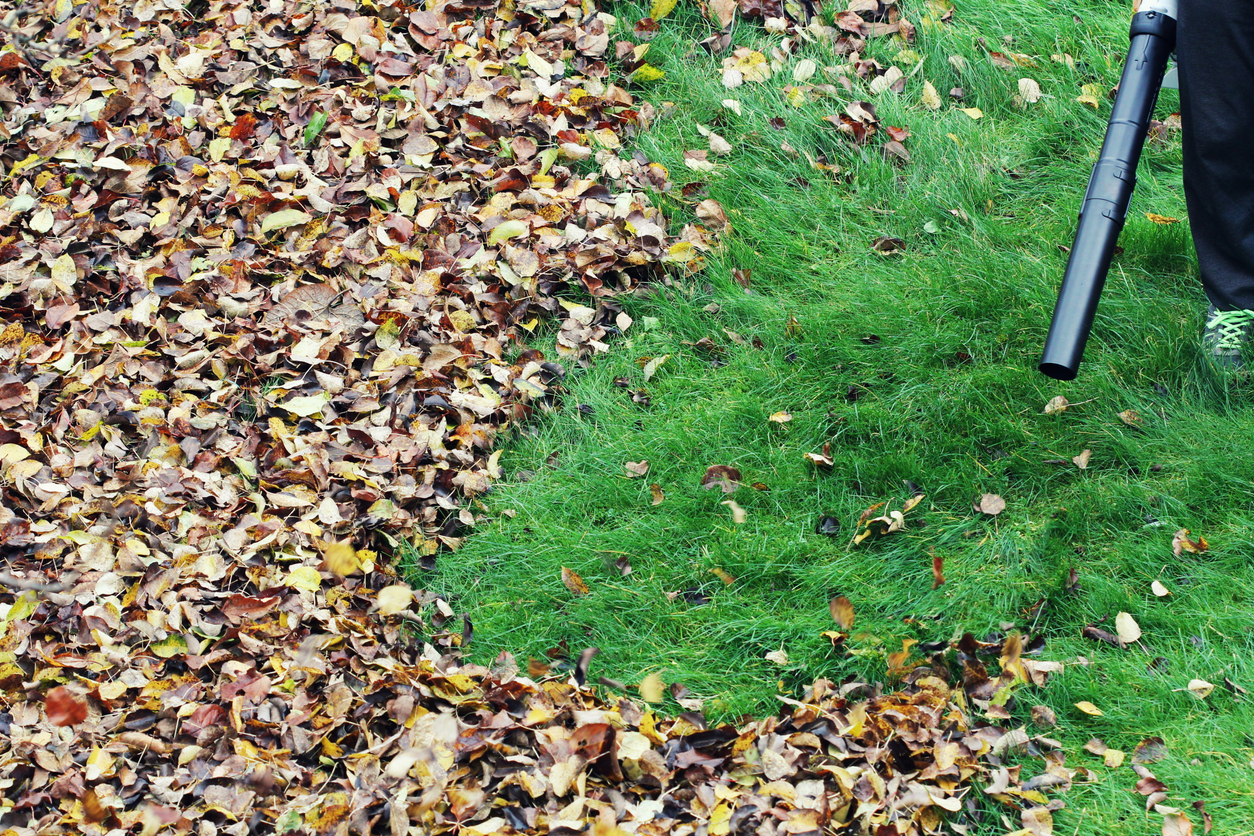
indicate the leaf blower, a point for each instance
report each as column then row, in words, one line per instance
column 1110, row 188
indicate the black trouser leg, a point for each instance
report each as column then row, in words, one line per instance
column 1215, row 46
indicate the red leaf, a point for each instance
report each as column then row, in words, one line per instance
column 65, row 708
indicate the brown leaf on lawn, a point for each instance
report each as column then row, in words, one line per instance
column 1037, row 821
column 1162, row 219
column 1057, row 404
column 820, row 460
column 1149, row 750
column 722, row 476
column 658, row 496
column 991, row 504
column 885, row 245
column 1207, row 824
column 1044, row 716
column 572, row 581
column 841, row 609
column 780, row 417
column 1082, row 461
column 1181, row 543
column 938, row 573
column 1130, row 417
column 65, row 708
column 636, row 469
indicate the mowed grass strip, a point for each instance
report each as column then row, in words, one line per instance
column 919, row 370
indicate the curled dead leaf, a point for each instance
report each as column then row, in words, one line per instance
column 658, row 495
column 1057, row 404
column 1180, row 543
column 636, row 469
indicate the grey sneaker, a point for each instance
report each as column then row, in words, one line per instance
column 1227, row 336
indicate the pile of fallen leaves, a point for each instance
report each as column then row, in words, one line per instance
column 344, row 735
column 264, row 267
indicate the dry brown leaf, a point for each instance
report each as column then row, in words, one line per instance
column 658, row 495
column 636, row 469
column 1057, row 404
column 1082, row 461
column 991, row 504
column 572, row 581
column 722, row 476
column 1130, row 417
column 841, row 609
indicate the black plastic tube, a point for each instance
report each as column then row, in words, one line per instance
column 1110, row 188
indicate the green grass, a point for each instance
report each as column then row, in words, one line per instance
column 919, row 367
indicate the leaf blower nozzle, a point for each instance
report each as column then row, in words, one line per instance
column 1110, row 188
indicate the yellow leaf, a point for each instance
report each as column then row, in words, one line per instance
column 343, row 53
column 1200, row 688
column 1088, row 708
column 661, row 8
column 304, row 577
column 647, row 73
column 342, row 558
column 780, row 417
column 931, row 98
column 1161, row 219
column 652, row 688
column 395, row 598
column 573, row 582
column 973, row 112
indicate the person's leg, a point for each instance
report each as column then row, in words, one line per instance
column 1215, row 46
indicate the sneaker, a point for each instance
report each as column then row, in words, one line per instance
column 1227, row 335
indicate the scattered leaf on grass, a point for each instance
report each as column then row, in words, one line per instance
column 738, row 514
column 1149, row 750
column 938, row 571
column 780, row 417
column 1162, row 219
column 1130, row 417
column 841, row 609
column 64, row 707
column 1200, row 688
column 1127, row 628
column 1057, row 404
column 1158, row 589
column 652, row 365
column 1114, row 758
column 1090, row 709
column 1177, row 824
column 820, row 460
column 636, row 469
column 885, row 245
column 991, row 504
column 779, row 657
column 723, row 576
column 658, row 495
column 931, row 99
column 722, row 476
column 1082, row 461
column 1029, row 91
column 1044, row 716
column 973, row 112
column 1181, row 543
column 652, row 688
column 573, row 582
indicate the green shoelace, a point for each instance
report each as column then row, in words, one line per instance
column 1231, row 328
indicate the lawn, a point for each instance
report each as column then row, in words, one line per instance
column 917, row 367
